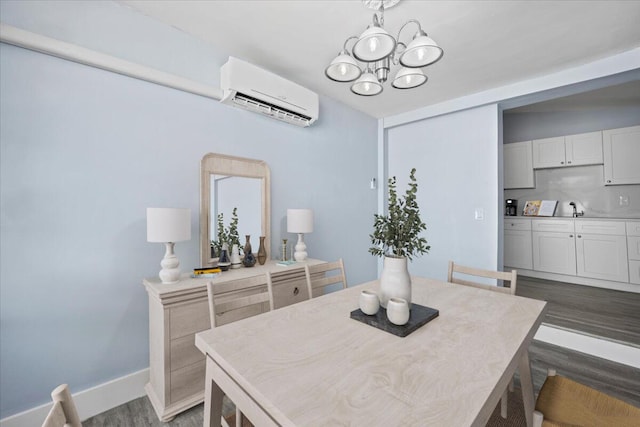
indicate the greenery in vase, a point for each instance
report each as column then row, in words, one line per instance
column 227, row 235
column 397, row 234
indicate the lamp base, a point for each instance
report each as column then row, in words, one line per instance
column 170, row 272
column 301, row 249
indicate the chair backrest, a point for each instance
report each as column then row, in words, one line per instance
column 63, row 412
column 318, row 277
column 286, row 287
column 504, row 276
column 229, row 302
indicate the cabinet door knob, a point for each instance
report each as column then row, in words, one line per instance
column 579, row 236
column 296, row 291
column 569, row 162
column 562, row 163
column 609, row 181
column 570, row 235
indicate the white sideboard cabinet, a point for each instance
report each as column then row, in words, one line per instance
column 518, row 165
column 572, row 150
column 621, row 156
column 178, row 311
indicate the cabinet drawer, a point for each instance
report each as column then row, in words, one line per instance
column 633, row 228
column 517, row 224
column 613, row 228
column 633, row 243
column 559, row 225
column 187, row 381
column 634, row 272
column 189, row 318
column 290, row 292
column 184, row 352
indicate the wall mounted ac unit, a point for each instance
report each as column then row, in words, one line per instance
column 247, row 86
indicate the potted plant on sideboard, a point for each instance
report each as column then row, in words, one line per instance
column 396, row 237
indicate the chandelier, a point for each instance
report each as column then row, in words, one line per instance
column 378, row 49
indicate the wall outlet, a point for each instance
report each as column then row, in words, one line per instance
column 624, row 201
column 479, row 214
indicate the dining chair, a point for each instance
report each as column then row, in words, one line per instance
column 453, row 276
column 63, row 412
column 225, row 307
column 562, row 401
column 322, row 275
column 286, row 287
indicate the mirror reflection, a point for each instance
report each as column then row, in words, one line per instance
column 244, row 194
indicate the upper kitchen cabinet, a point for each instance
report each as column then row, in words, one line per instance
column 518, row 165
column 621, row 156
column 572, row 150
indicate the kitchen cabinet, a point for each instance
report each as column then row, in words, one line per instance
column 572, row 150
column 601, row 250
column 621, row 149
column 554, row 247
column 633, row 244
column 517, row 243
column 518, row 165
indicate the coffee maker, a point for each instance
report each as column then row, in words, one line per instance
column 511, row 207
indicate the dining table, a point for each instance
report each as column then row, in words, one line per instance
column 311, row 364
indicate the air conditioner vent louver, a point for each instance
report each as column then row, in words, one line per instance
column 250, row 103
column 270, row 95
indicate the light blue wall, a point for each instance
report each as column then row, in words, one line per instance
column 456, row 157
column 83, row 153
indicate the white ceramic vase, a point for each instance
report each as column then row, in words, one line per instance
column 236, row 262
column 395, row 281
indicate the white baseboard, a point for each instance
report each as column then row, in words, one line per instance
column 89, row 402
column 610, row 350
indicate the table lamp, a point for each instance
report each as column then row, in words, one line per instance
column 300, row 221
column 168, row 225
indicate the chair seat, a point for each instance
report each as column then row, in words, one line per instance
column 565, row 402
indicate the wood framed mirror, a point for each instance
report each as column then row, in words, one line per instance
column 228, row 182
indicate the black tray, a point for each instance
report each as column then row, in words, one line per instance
column 419, row 316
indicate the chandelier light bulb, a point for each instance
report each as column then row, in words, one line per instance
column 422, row 51
column 367, row 85
column 373, row 44
column 343, row 68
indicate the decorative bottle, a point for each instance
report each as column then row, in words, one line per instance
column 224, row 262
column 249, row 259
column 262, row 252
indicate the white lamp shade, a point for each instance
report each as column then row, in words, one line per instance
column 343, row 68
column 168, row 224
column 373, row 45
column 408, row 78
column 299, row 220
column 422, row 51
column 366, row 85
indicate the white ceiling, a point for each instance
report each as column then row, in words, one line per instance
column 487, row 44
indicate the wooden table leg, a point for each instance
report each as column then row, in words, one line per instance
column 212, row 399
column 526, row 385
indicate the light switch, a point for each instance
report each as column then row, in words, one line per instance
column 624, row 201
column 479, row 214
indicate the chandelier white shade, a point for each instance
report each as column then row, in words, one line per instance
column 378, row 50
column 300, row 221
column 408, row 78
column 168, row 225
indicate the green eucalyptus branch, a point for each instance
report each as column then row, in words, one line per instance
column 397, row 234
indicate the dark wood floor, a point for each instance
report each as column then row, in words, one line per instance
column 609, row 314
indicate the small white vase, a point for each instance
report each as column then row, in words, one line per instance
column 395, row 281
column 236, row 262
column 398, row 311
column 369, row 302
